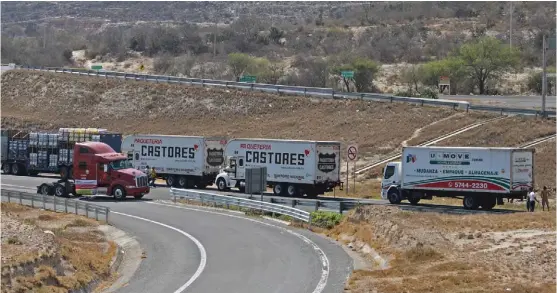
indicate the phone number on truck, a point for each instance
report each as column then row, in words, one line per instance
column 468, row 185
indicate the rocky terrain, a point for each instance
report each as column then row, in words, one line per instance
column 431, row 252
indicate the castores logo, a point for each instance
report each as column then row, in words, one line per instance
column 327, row 162
column 410, row 158
column 215, row 157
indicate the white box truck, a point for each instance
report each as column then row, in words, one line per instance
column 183, row 161
column 294, row 167
column 481, row 176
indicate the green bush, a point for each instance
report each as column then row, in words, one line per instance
column 428, row 93
column 325, row 220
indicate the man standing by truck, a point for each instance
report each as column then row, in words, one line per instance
column 532, row 200
column 152, row 176
column 545, row 198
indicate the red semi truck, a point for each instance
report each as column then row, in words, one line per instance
column 99, row 170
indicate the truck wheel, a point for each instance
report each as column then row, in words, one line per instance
column 488, row 203
column 470, row 202
column 33, row 173
column 221, row 184
column 64, row 173
column 171, row 181
column 60, row 190
column 292, row 190
column 119, row 192
column 278, row 189
column 15, row 169
column 182, row 182
column 46, row 189
column 7, row 168
column 394, row 196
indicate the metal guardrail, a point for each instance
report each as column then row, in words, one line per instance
column 57, row 204
column 289, row 204
column 205, row 197
column 295, row 90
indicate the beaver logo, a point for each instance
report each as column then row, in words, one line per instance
column 215, row 157
column 327, row 163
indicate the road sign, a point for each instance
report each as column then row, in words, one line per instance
column 444, row 80
column 352, row 152
column 551, row 43
column 551, row 75
column 141, row 67
column 96, row 67
column 248, row 78
column 347, row 74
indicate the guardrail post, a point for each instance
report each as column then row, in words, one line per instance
column 316, row 205
column 32, row 201
column 96, row 213
column 502, row 111
column 44, row 202
column 333, row 93
column 293, row 203
column 54, row 197
column 203, row 83
column 87, row 210
column 422, row 103
column 467, row 108
column 8, row 196
column 305, row 91
column 66, row 205
column 391, row 99
column 340, row 207
column 20, row 199
column 75, row 206
column 107, row 213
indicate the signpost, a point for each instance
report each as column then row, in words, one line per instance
column 547, row 43
column 347, row 74
column 248, row 78
column 351, row 155
column 444, row 83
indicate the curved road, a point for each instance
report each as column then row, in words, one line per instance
column 242, row 254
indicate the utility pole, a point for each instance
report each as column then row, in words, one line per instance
column 511, row 26
column 544, row 76
column 215, row 40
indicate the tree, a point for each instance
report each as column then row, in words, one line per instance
column 412, row 77
column 451, row 67
column 487, row 58
column 534, row 82
column 276, row 72
column 364, row 73
column 238, row 63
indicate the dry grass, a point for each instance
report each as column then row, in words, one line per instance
column 429, row 252
column 130, row 107
column 76, row 254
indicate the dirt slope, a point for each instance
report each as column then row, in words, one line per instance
column 50, row 100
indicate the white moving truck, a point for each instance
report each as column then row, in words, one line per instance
column 481, row 176
column 183, row 161
column 294, row 167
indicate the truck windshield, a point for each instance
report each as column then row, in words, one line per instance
column 120, row 164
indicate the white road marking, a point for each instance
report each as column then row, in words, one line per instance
column 202, row 251
column 324, row 260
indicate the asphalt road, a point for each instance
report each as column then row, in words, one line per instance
column 525, row 102
column 242, row 254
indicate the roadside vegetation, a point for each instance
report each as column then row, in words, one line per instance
column 44, row 251
column 399, row 48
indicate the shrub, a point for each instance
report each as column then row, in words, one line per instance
column 325, row 220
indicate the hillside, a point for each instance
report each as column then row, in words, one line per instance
column 34, row 98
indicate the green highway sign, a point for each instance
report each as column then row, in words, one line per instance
column 248, row 78
column 347, row 74
column 96, row 67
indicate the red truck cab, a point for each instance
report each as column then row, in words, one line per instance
column 98, row 169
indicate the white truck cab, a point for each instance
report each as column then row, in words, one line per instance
column 232, row 175
column 391, row 178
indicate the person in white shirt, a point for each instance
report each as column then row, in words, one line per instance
column 532, row 200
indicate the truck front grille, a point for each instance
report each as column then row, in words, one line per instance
column 141, row 181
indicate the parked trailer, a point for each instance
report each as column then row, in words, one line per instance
column 183, row 161
column 481, row 176
column 294, row 167
column 99, row 170
column 31, row 153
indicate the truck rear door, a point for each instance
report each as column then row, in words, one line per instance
column 522, row 176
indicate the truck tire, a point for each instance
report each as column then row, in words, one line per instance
column 171, row 181
column 488, row 203
column 221, row 184
column 471, row 202
column 46, row 189
column 7, row 168
column 119, row 192
column 278, row 189
column 64, row 173
column 292, row 190
column 182, row 182
column 33, row 173
column 15, row 169
column 60, row 190
column 394, row 196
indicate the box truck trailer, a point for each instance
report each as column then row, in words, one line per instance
column 294, row 167
column 482, row 177
column 183, row 161
column 31, row 153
